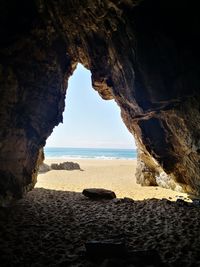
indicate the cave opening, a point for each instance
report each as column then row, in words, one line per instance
column 93, row 136
column 144, row 54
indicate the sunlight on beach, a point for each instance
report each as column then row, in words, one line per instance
column 116, row 175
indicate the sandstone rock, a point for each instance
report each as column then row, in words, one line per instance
column 69, row 166
column 98, row 193
column 44, row 168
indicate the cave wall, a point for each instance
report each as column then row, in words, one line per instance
column 144, row 54
column 34, row 70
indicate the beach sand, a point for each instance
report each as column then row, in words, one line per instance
column 116, row 175
column 50, row 226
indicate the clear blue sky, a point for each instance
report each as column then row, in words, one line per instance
column 88, row 120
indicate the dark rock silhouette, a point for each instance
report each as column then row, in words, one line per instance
column 98, row 193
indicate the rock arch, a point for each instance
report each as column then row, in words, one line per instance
column 144, row 54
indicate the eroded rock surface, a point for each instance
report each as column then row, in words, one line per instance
column 144, row 54
column 65, row 166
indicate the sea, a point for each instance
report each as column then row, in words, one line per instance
column 89, row 153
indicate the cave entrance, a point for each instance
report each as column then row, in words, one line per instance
column 94, row 136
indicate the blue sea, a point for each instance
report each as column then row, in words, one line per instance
column 90, row 153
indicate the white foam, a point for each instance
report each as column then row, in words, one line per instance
column 87, row 157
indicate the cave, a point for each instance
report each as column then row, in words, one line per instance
column 144, row 54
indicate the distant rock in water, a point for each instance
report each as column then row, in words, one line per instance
column 66, row 166
column 98, row 193
column 44, row 168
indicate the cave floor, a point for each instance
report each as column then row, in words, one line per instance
column 50, row 228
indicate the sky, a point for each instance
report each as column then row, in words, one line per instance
column 88, row 120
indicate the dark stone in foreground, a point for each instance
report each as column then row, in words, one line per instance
column 69, row 166
column 98, row 193
column 105, row 249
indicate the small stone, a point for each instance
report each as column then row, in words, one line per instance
column 128, row 199
column 98, row 193
column 181, row 202
column 44, row 168
column 117, row 200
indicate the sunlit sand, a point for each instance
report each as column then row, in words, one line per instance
column 116, row 175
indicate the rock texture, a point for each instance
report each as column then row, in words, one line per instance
column 51, row 228
column 144, row 54
column 65, row 166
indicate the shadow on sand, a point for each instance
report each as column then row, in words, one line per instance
column 50, row 228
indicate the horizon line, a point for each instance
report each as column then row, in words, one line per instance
column 134, row 148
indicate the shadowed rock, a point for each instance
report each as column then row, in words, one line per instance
column 98, row 193
column 106, row 248
column 69, row 166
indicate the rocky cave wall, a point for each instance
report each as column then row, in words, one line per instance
column 144, row 54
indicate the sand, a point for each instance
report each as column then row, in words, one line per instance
column 116, row 175
column 50, row 226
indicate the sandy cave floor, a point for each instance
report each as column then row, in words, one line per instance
column 50, row 228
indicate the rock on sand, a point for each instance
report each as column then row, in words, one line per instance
column 98, row 193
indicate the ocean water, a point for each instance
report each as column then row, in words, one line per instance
column 92, row 153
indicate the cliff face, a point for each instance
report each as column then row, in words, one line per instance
column 144, row 54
